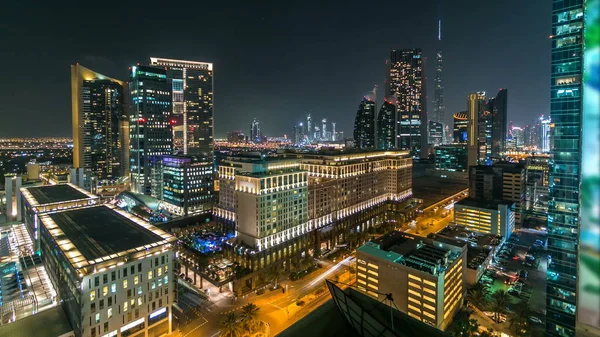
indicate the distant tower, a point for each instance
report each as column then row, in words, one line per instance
column 255, row 135
column 438, row 97
column 324, row 128
column 386, row 124
column 364, row 124
column 309, row 125
column 333, row 132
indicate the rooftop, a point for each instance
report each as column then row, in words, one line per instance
column 479, row 244
column 100, row 233
column 269, row 173
column 479, row 203
column 48, row 323
column 413, row 251
column 52, row 194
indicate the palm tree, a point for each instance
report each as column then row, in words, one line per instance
column 230, row 327
column 519, row 320
column 465, row 327
column 478, row 295
column 274, row 274
column 498, row 304
column 248, row 316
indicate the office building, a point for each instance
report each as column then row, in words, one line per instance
column 302, row 202
column 407, row 82
column 364, row 123
column 485, row 216
column 298, row 134
column 12, row 194
column 545, row 134
column 536, row 183
column 324, row 129
column 436, row 133
column 386, row 124
column 451, row 157
column 461, row 127
column 113, row 272
column 333, row 132
column 236, row 137
column 518, row 137
column 255, row 133
column 438, row 99
column 425, row 277
column 183, row 183
column 497, row 106
column 40, row 200
column 151, row 132
column 476, row 138
column 514, row 187
column 309, row 127
column 565, row 168
column 98, row 115
column 192, row 102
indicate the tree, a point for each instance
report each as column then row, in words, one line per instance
column 274, row 274
column 464, row 327
column 230, row 326
column 488, row 333
column 498, row 304
column 478, row 296
column 519, row 320
column 249, row 315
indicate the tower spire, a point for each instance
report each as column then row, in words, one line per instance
column 439, row 30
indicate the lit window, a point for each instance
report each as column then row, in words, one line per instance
column 93, row 295
column 139, row 301
column 160, row 271
column 166, row 279
column 136, row 279
column 412, row 292
column 139, row 290
column 104, row 291
column 150, row 275
column 124, row 284
column 125, row 306
column 97, row 318
column 109, row 312
column 113, row 288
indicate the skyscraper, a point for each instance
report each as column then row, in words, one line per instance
column 436, row 132
column 98, row 113
column 309, row 126
column 192, row 101
column 149, row 122
column 406, row 80
column 438, row 99
column 461, row 127
column 565, row 167
column 497, row 106
column 386, row 124
column 333, row 132
column 255, row 134
column 475, row 106
column 364, row 124
column 324, row 129
column 545, row 127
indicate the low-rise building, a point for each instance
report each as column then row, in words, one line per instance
column 485, row 216
column 113, row 272
column 425, row 277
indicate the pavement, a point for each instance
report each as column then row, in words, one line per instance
column 278, row 309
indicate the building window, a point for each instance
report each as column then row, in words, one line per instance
column 93, row 307
column 109, row 313
column 104, row 291
column 124, row 284
column 113, row 288
column 125, row 306
column 150, row 275
column 97, row 318
column 92, row 295
column 136, row 280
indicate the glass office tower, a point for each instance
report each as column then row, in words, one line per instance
column 364, row 123
column 386, row 124
column 565, row 166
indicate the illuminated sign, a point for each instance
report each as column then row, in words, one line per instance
column 158, row 312
column 132, row 324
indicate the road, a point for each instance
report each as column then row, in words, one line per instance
column 276, row 308
column 436, row 216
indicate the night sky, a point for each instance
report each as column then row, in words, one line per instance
column 276, row 60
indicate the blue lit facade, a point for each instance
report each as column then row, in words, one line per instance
column 451, row 157
column 150, row 128
column 565, row 166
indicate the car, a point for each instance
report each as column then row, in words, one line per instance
column 535, row 320
column 539, row 242
column 516, row 257
column 523, row 274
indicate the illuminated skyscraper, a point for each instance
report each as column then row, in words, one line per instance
column 461, row 127
column 324, row 129
column 333, row 131
column 497, row 106
column 364, row 124
column 406, row 81
column 255, row 133
column 565, row 168
column 386, row 124
column 438, row 99
column 476, row 143
column 149, row 123
column 309, row 127
column 545, row 128
column 98, row 112
column 192, row 86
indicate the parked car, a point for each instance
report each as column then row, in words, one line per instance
column 523, row 274
column 535, row 319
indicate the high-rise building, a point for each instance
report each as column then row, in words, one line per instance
column 436, row 132
column 98, row 113
column 461, row 127
column 386, row 124
column 451, row 157
column 438, row 99
column 236, row 137
column 183, row 183
column 545, row 133
column 255, row 133
column 476, row 143
column 192, row 102
column 497, row 106
column 149, row 123
column 333, row 132
column 364, row 123
column 425, row 277
column 324, row 129
column 565, row 168
column 407, row 82
column 298, row 134
column 309, row 127
column 518, row 136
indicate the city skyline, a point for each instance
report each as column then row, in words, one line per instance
column 309, row 76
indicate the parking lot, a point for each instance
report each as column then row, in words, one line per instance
column 520, row 269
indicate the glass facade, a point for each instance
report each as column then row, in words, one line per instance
column 407, row 82
column 364, row 124
column 497, row 106
column 386, row 125
column 452, row 157
column 564, row 166
column 149, row 122
column 461, row 126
